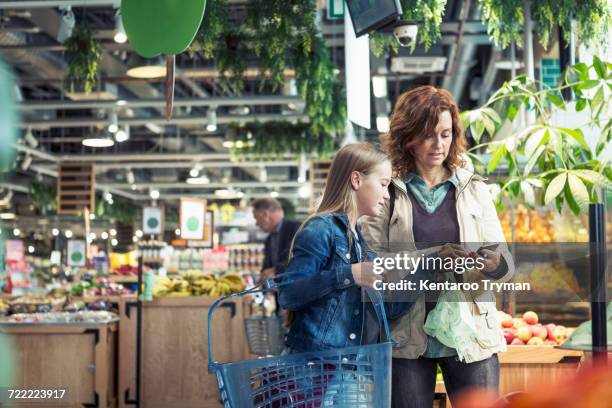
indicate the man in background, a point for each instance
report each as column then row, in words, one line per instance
column 269, row 216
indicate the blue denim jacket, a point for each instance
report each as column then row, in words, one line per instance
column 328, row 306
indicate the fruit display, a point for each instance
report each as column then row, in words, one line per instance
column 547, row 278
column 535, row 226
column 197, row 283
column 527, row 330
column 4, row 307
column 99, row 287
column 63, row 317
column 31, row 304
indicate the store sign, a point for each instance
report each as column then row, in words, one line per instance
column 76, row 253
column 152, row 220
column 335, row 9
column 192, row 218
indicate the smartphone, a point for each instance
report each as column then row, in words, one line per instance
column 489, row 247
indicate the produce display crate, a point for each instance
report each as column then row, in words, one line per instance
column 174, row 370
column 79, row 357
column 522, row 366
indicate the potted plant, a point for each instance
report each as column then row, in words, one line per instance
column 83, row 55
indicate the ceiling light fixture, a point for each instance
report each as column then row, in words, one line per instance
column 211, row 120
column 123, row 135
column 198, row 180
column 120, row 35
column 67, row 22
column 154, row 194
column 146, row 68
column 113, row 126
column 98, row 141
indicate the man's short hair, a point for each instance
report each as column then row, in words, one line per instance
column 266, row 203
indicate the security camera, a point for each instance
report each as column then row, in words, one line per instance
column 405, row 33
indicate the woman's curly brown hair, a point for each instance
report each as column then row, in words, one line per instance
column 414, row 118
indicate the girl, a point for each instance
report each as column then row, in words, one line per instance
column 330, row 256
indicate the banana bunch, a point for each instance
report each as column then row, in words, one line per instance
column 197, row 283
column 165, row 286
column 212, row 286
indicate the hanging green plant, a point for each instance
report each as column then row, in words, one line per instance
column 505, row 20
column 44, row 197
column 280, row 28
column 561, row 163
column 120, row 210
column 232, row 59
column 212, row 29
column 83, row 55
column 276, row 140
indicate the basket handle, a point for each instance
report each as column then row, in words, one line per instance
column 379, row 309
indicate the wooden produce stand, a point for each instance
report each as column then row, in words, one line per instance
column 523, row 366
column 78, row 357
column 174, row 370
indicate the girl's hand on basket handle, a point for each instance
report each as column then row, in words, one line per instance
column 364, row 275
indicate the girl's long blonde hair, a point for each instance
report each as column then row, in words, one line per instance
column 339, row 196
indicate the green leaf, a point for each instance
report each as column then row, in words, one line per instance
column 488, row 124
column 597, row 100
column 477, row 128
column 600, row 67
column 555, row 187
column 594, row 178
column 571, row 202
column 534, row 141
column 493, row 115
column 579, row 191
column 578, row 136
column 554, row 98
column 528, row 193
column 588, row 84
column 536, row 182
column 581, row 104
column 582, row 70
column 496, row 158
column 532, row 160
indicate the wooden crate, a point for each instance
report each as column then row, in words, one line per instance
column 523, row 366
column 81, row 358
column 75, row 188
column 174, row 370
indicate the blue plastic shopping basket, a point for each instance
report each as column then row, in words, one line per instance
column 355, row 377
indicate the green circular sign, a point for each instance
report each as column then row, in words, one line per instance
column 76, row 257
column 152, row 223
column 193, row 223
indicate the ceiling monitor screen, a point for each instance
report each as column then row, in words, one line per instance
column 370, row 15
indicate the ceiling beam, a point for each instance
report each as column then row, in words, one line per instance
column 160, row 102
column 213, row 185
column 159, row 120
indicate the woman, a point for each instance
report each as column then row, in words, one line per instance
column 328, row 254
column 436, row 201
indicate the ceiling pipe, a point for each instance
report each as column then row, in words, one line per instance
column 101, row 168
column 160, row 102
column 234, row 184
column 159, row 120
column 57, row 3
column 247, row 195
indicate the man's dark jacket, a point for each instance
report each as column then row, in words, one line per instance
column 285, row 238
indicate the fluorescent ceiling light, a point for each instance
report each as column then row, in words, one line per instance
column 198, row 180
column 122, row 135
column 98, row 142
column 7, row 216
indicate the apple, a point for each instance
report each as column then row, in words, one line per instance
column 550, row 328
column 560, row 334
column 509, row 335
column 517, row 342
column 530, row 317
column 540, row 332
column 506, row 321
column 518, row 322
column 524, row 333
column 535, row 341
